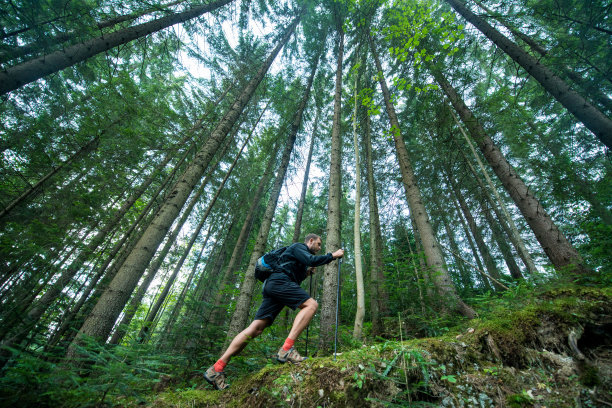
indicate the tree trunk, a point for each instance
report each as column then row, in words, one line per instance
column 22, row 74
column 560, row 252
column 417, row 278
column 112, row 257
column 101, row 320
column 145, row 330
column 507, row 221
column 63, row 37
column 332, row 241
column 595, row 94
column 504, row 248
column 181, row 299
column 433, row 253
column 482, row 247
column 360, row 313
column 195, row 320
column 378, row 296
column 300, row 209
column 468, row 237
column 463, row 273
column 218, row 314
column 243, row 303
column 69, row 320
column 43, row 182
column 196, row 232
column 589, row 115
column 51, row 294
column 154, row 266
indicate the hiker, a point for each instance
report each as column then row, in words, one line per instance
column 281, row 289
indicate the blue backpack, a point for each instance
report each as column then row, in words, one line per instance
column 268, row 263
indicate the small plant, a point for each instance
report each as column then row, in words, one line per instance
column 359, row 379
column 491, row 370
column 520, row 400
column 450, row 378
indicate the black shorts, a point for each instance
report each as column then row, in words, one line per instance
column 279, row 291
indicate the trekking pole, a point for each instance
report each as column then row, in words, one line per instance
column 337, row 307
column 307, row 327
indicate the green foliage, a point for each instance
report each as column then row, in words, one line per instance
column 520, row 400
column 590, row 376
column 122, row 375
column 141, row 99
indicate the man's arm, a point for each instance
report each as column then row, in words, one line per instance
column 304, row 257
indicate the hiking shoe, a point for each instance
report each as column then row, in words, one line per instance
column 216, row 379
column 290, row 355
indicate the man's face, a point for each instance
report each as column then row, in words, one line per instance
column 314, row 245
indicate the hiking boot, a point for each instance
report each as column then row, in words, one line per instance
column 216, row 379
column 290, row 355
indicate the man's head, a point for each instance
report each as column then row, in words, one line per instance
column 313, row 242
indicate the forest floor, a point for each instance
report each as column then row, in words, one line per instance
column 555, row 350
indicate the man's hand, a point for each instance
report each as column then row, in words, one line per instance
column 338, row 254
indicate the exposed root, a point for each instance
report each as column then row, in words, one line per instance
column 572, row 339
column 493, row 347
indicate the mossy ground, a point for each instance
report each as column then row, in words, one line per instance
column 516, row 354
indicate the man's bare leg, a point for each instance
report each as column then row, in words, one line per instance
column 215, row 375
column 303, row 318
column 242, row 339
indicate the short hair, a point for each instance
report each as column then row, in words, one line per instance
column 311, row 236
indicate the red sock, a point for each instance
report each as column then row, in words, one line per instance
column 220, row 365
column 288, row 344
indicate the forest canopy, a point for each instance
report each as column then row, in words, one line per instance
column 458, row 151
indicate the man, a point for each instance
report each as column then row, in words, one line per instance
column 281, row 289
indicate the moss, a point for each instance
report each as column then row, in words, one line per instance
column 443, row 368
column 519, row 400
column 190, row 398
column 589, row 376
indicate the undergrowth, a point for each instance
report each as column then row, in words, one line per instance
column 459, row 364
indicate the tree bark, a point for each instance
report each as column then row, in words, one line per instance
column 243, row 303
column 595, row 94
column 218, row 314
column 63, row 37
column 506, row 221
column 51, row 294
column 22, row 74
column 44, row 181
column 463, row 273
column 589, row 115
column 154, row 266
column 560, row 252
column 378, row 296
column 504, row 248
column 102, row 318
column 433, row 253
column 300, row 209
column 476, row 233
column 332, row 241
column 196, row 232
column 360, row 313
